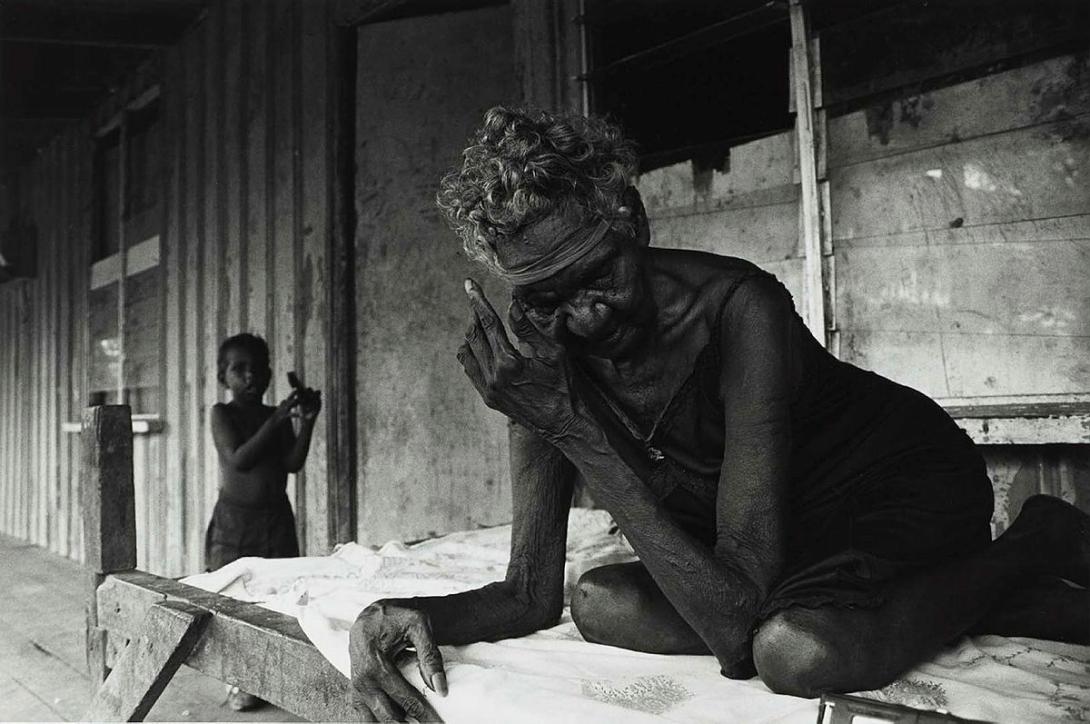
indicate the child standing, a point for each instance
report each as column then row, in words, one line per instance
column 257, row 448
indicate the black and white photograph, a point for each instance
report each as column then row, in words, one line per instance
column 577, row 361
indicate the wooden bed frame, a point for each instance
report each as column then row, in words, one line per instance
column 142, row 627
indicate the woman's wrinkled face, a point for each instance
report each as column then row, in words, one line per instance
column 594, row 307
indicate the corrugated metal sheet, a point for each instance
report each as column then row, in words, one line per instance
column 245, row 229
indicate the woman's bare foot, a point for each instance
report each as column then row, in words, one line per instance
column 1057, row 534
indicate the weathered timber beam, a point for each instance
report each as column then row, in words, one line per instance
column 167, row 636
column 109, row 513
column 261, row 651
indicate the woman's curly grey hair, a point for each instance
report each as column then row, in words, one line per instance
column 523, row 165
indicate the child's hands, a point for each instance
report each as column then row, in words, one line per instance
column 283, row 410
column 310, row 404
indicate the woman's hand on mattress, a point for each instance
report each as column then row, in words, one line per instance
column 532, row 390
column 382, row 632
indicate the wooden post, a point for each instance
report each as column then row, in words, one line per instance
column 109, row 513
column 811, row 227
column 170, row 631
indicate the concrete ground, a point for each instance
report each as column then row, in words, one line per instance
column 43, row 675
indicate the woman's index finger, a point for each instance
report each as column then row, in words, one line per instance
column 489, row 320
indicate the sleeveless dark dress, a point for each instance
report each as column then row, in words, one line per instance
column 882, row 481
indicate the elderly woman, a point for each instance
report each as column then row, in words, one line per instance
column 793, row 515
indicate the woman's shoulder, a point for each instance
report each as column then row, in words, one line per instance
column 718, row 281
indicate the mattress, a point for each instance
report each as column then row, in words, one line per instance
column 554, row 675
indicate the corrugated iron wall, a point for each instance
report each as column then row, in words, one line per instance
column 246, row 224
column 43, row 328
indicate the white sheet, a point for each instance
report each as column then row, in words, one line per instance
column 553, row 675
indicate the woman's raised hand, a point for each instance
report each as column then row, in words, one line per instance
column 381, row 633
column 533, row 390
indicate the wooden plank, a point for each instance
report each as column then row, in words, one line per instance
column 1027, row 431
column 283, row 270
column 34, row 485
column 314, row 276
column 167, row 637
column 214, row 298
column 107, row 489
column 911, row 43
column 173, row 252
column 194, row 302
column 340, row 392
column 1044, row 92
column 950, row 365
column 967, row 288
column 233, row 168
column 1025, row 174
column 261, row 651
column 757, row 233
column 82, row 255
column 1061, row 228
column 535, row 52
column 7, row 408
column 763, row 165
column 142, row 501
column 259, row 105
column 421, row 429
column 813, row 300
column 55, row 198
column 69, row 191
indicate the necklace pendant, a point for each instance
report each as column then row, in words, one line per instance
column 655, row 454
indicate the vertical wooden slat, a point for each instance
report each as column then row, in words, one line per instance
column 83, row 301
column 283, row 268
column 30, row 484
column 48, row 275
column 214, row 299
column 7, row 408
column 232, row 168
column 193, row 64
column 314, row 275
column 64, row 338
column 54, row 423
column 340, row 405
column 172, row 251
column 140, row 498
column 259, row 101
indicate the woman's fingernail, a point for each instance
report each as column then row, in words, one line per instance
column 439, row 683
column 469, row 286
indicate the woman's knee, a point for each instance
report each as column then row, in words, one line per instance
column 603, row 600
column 793, row 656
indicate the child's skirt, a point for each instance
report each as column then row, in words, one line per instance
column 236, row 531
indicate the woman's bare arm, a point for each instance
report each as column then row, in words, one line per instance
column 529, row 598
column 716, row 591
column 531, row 595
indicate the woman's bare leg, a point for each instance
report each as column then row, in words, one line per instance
column 621, row 605
column 810, row 651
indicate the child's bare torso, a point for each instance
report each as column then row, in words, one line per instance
column 266, row 482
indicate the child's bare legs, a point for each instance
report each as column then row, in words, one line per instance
column 810, row 651
column 239, row 700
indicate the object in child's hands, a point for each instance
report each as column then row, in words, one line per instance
column 294, row 381
column 840, row 709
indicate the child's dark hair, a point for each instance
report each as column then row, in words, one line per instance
column 251, row 343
